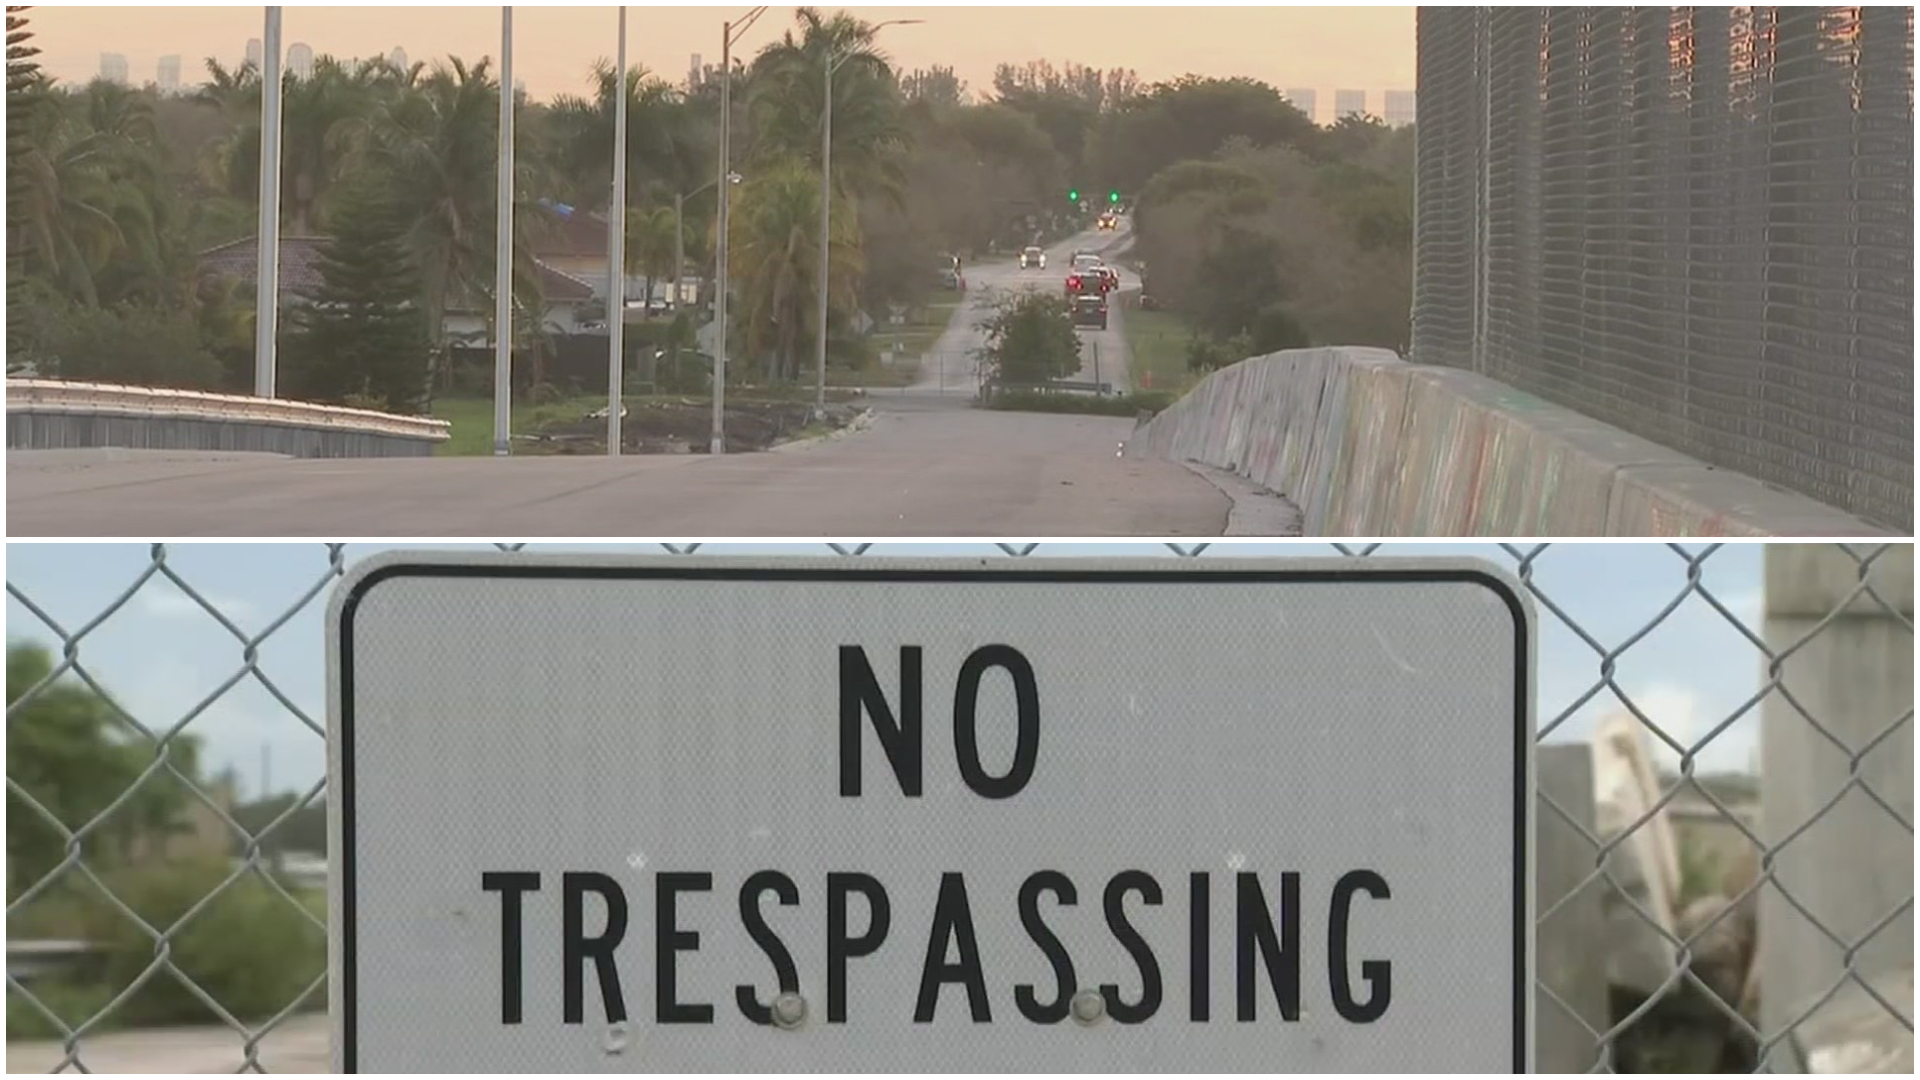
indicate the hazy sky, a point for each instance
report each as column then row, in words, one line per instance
column 1319, row 47
column 161, row 654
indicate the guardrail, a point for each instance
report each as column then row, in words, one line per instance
column 53, row 414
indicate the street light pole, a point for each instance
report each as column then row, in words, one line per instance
column 826, row 217
column 617, row 249
column 266, row 311
column 728, row 31
column 718, row 441
column 503, row 251
column 830, row 64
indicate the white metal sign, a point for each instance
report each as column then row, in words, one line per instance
column 689, row 814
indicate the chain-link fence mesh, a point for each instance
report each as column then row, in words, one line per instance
column 1695, row 223
column 1715, row 917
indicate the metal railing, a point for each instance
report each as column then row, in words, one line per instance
column 1694, row 223
column 1801, row 828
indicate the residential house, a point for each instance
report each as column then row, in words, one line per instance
column 569, row 299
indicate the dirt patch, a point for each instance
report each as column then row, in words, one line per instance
column 685, row 426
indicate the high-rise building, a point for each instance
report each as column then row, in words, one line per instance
column 300, row 60
column 398, row 58
column 1399, row 108
column 1304, row 100
column 167, row 74
column 1349, row 103
column 113, row 68
column 694, row 71
column 256, row 54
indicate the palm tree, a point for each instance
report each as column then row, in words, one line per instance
column 657, row 137
column 776, row 233
column 437, row 148
column 318, row 115
column 787, row 96
column 89, row 190
column 650, row 245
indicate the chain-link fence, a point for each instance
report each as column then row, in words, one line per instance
column 1723, row 868
column 1695, row 223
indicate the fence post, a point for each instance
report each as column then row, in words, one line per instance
column 1570, row 945
column 1854, row 865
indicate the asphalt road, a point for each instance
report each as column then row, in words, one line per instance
column 949, row 368
column 928, row 465
column 299, row 1045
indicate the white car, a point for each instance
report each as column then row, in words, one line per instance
column 1033, row 258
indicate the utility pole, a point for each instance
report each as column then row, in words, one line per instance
column 266, row 297
column 617, row 250
column 826, row 217
column 718, row 440
column 503, row 252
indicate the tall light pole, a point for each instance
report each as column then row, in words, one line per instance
column 617, row 248
column 680, row 232
column 729, row 33
column 830, row 65
column 266, row 299
column 503, row 252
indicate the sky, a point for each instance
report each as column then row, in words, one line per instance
column 1324, row 48
column 162, row 655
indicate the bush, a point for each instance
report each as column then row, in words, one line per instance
column 248, row 948
column 132, row 346
column 1083, row 404
column 74, row 1004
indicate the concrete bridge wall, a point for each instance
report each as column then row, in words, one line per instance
column 1368, row 445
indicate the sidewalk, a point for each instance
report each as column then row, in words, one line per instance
column 298, row 1045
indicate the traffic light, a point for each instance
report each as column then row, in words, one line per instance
column 1073, row 195
column 1113, row 196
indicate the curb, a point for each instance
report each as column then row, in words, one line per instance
column 861, row 421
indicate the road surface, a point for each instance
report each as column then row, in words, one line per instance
column 298, row 1045
column 929, row 465
column 949, row 367
column 932, row 472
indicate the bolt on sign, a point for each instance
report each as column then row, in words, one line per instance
column 693, row 814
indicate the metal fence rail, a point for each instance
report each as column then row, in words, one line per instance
column 1823, row 607
column 1694, row 223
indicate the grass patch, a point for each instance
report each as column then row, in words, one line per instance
column 923, row 327
column 471, row 419
column 1082, row 404
column 1158, row 342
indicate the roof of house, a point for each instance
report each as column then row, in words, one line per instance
column 572, row 234
column 240, row 260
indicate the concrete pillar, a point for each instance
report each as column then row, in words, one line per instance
column 1570, row 958
column 1854, row 865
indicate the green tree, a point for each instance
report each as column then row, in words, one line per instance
column 661, row 148
column 1030, row 340
column 70, row 755
column 1190, row 119
column 788, row 104
column 320, row 118
column 435, row 149
column 1238, row 278
column 89, row 194
column 364, row 340
column 775, row 236
column 131, row 344
column 25, row 93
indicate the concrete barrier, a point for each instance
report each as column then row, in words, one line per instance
column 50, row 414
column 1368, row 445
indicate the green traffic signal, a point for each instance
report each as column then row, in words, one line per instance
column 1113, row 196
column 1073, row 195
